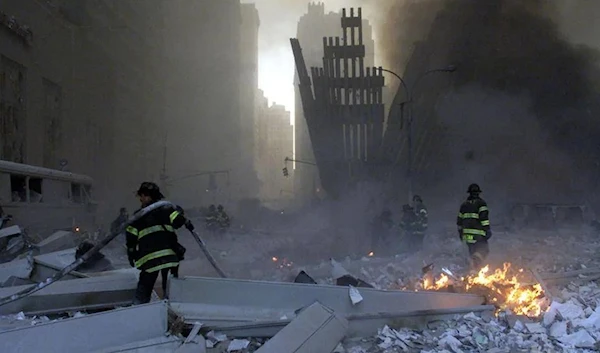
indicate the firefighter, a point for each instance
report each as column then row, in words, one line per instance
column 381, row 227
column 409, row 224
column 222, row 218
column 422, row 216
column 474, row 226
column 211, row 218
column 152, row 245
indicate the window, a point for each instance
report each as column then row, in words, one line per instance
column 76, row 193
column 17, row 188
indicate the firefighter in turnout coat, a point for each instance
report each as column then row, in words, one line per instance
column 152, row 245
column 474, row 226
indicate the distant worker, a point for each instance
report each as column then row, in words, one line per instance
column 120, row 220
column 422, row 216
column 152, row 245
column 474, row 226
column 211, row 218
column 409, row 225
column 222, row 218
column 381, row 227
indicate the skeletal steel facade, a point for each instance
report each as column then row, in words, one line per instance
column 343, row 107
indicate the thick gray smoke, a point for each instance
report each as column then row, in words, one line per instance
column 507, row 51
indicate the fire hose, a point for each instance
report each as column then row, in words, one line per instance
column 93, row 251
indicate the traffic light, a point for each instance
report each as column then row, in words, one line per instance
column 285, row 172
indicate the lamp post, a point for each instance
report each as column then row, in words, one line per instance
column 409, row 99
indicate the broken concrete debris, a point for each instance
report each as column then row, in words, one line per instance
column 316, row 330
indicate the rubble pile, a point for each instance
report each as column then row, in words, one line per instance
column 570, row 326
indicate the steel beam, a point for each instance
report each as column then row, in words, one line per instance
column 73, row 295
column 215, row 301
column 358, row 325
column 91, row 333
column 317, row 329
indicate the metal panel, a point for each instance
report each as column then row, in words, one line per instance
column 73, row 295
column 89, row 333
column 218, row 301
column 316, row 330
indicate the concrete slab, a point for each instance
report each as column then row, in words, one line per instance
column 10, row 231
column 59, row 259
column 163, row 344
column 216, row 301
column 60, row 240
column 16, row 268
column 73, row 295
column 90, row 333
column 317, row 329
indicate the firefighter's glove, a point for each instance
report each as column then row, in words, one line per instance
column 189, row 226
column 488, row 234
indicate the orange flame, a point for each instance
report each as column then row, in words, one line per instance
column 502, row 288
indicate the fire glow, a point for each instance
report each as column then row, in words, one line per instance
column 501, row 287
column 282, row 263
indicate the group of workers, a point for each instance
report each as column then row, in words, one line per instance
column 413, row 224
column 473, row 225
column 153, row 247
column 217, row 219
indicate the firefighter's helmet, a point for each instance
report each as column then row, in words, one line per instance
column 474, row 189
column 150, row 189
column 417, row 198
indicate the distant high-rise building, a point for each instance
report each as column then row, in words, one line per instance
column 274, row 143
column 248, row 97
column 312, row 27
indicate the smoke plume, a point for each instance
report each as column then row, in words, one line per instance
column 506, row 51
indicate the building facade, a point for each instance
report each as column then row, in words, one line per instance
column 274, row 135
column 127, row 91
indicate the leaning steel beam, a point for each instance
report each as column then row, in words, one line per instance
column 73, row 266
column 317, row 329
column 74, row 295
column 220, row 301
column 90, row 333
column 359, row 325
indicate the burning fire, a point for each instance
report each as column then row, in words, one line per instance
column 501, row 287
column 442, row 282
column 283, row 263
column 371, row 254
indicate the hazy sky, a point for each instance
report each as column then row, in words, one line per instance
column 279, row 23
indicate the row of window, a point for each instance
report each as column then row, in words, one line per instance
column 25, row 189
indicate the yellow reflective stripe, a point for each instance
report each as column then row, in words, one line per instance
column 174, row 215
column 474, row 231
column 131, row 230
column 469, row 215
column 160, row 267
column 154, row 229
column 150, row 230
column 154, row 255
column 485, row 223
column 483, row 208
